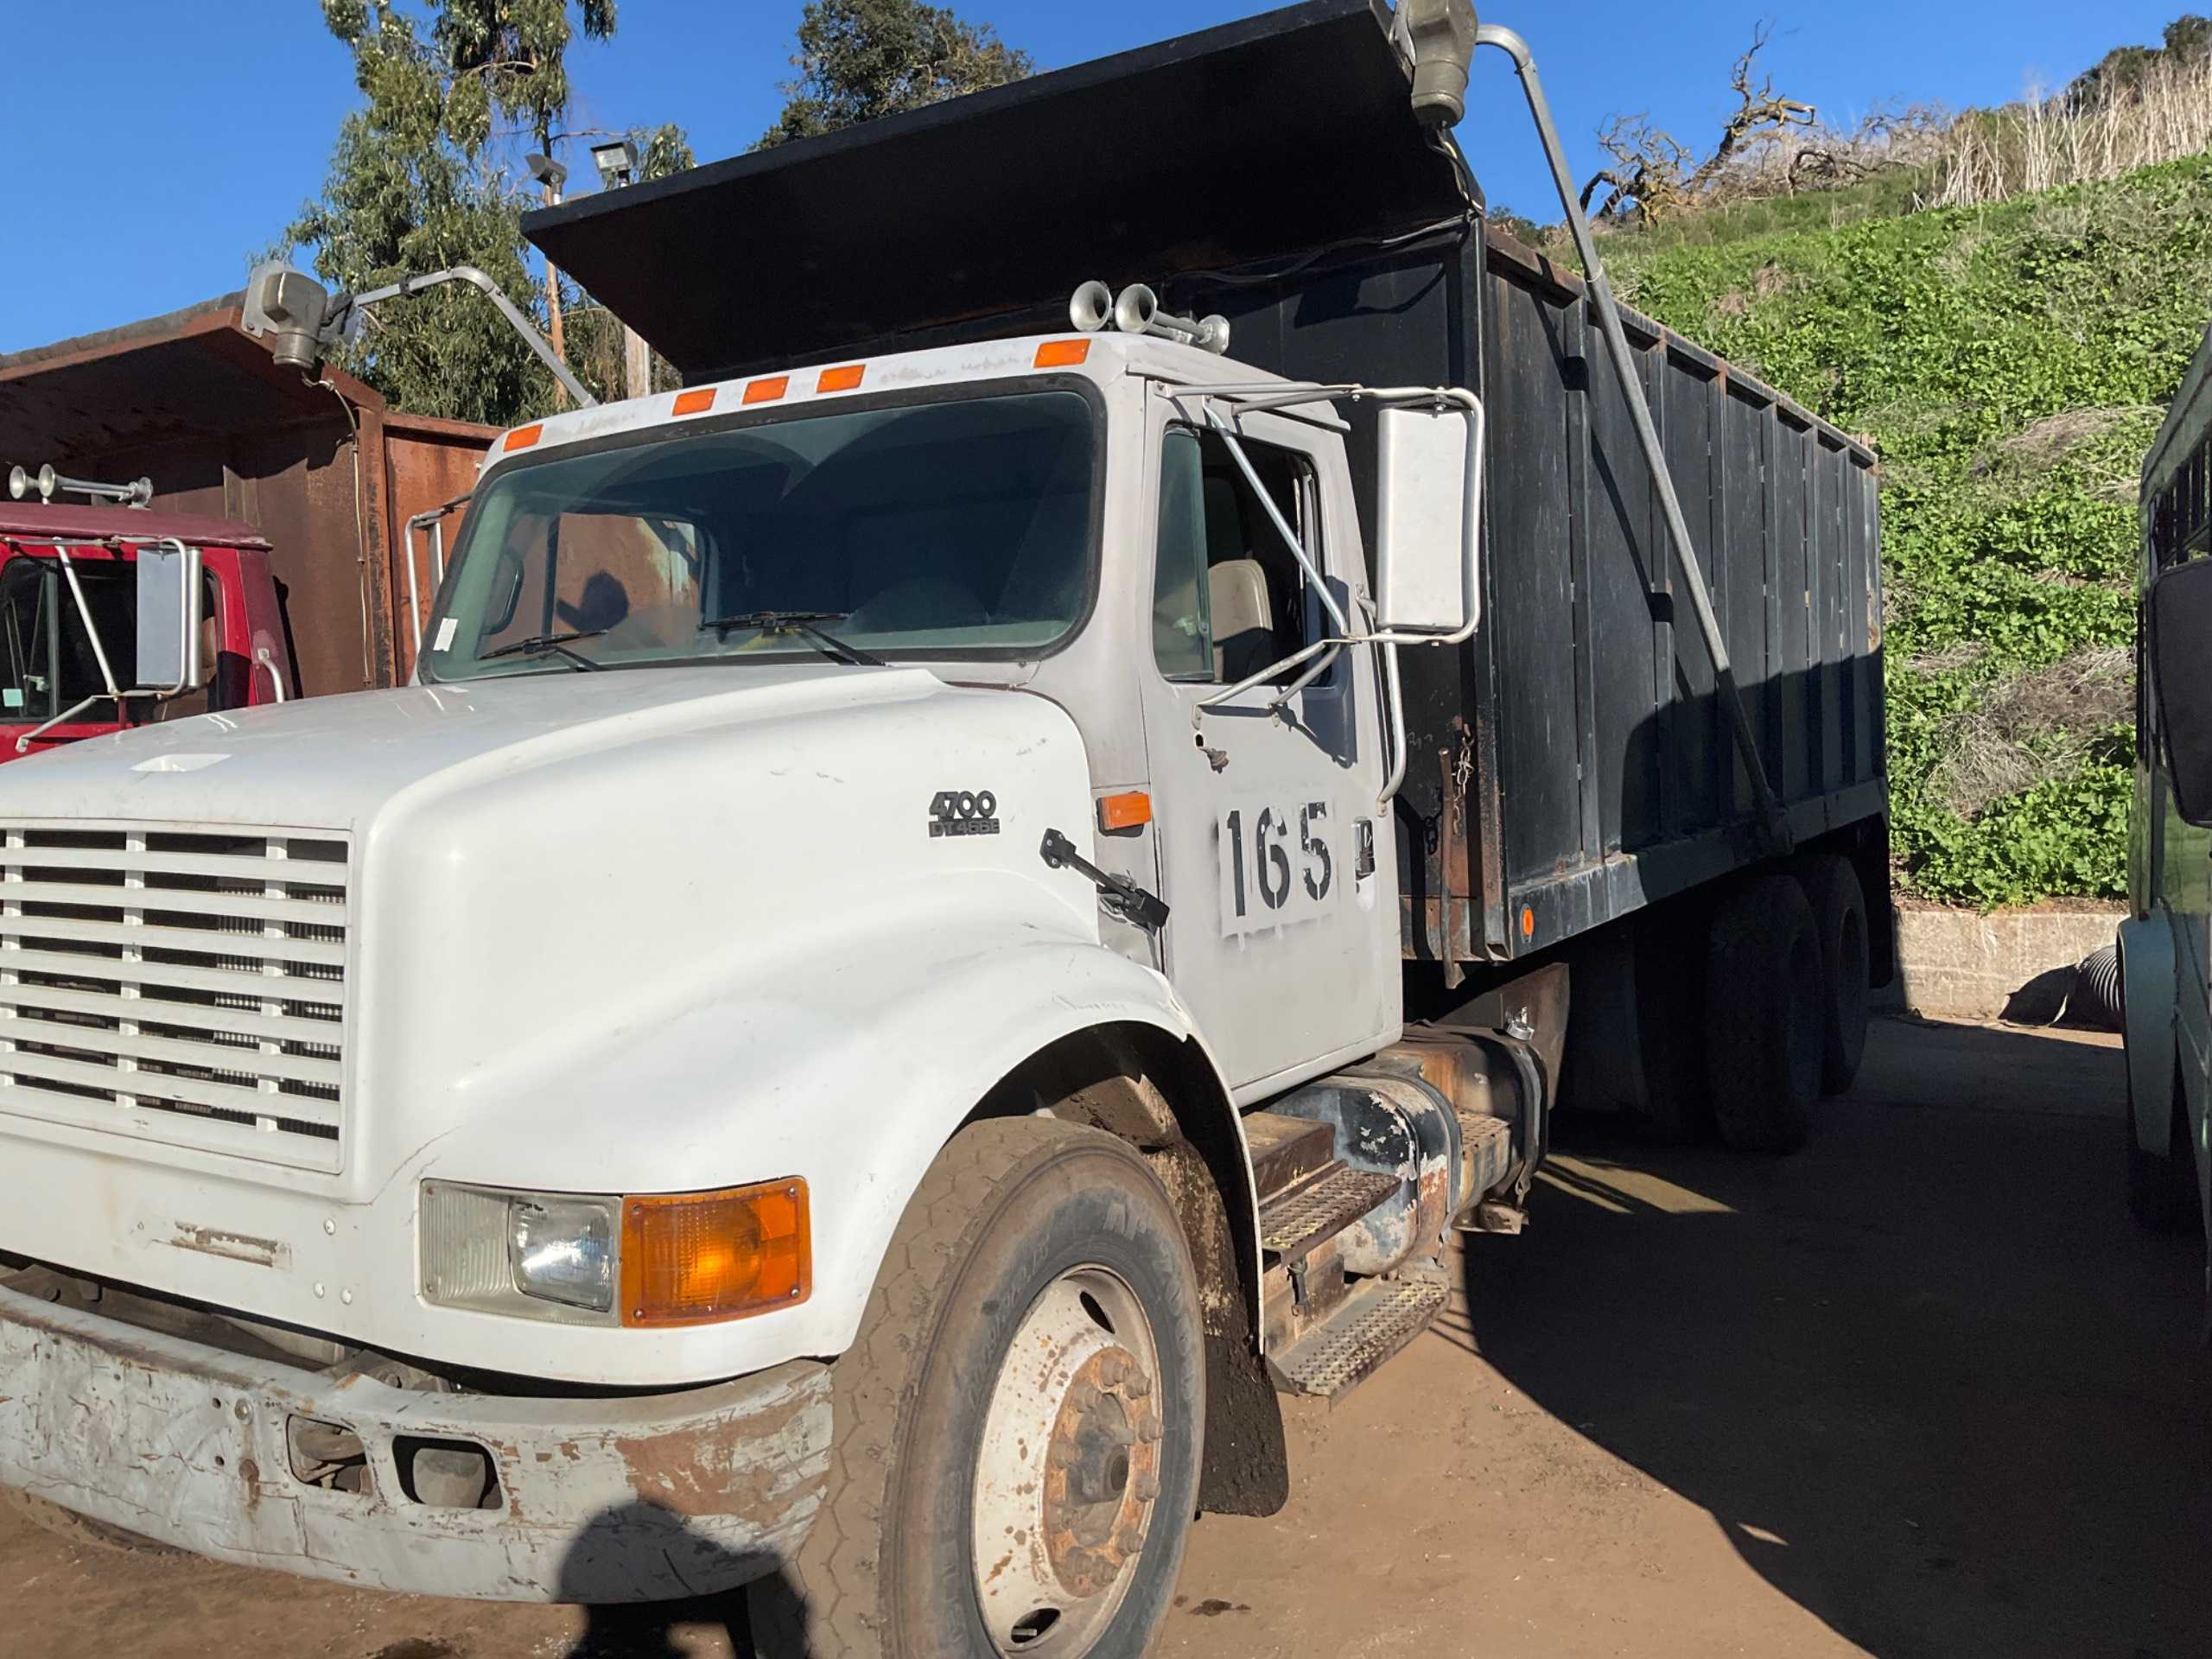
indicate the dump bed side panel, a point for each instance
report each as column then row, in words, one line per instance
column 1619, row 781
column 1574, row 762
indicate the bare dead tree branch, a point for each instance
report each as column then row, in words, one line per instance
column 1658, row 175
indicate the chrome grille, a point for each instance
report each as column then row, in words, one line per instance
column 182, row 984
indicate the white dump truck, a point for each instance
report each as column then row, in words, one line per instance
column 956, row 904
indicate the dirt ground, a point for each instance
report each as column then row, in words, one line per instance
column 1918, row 1391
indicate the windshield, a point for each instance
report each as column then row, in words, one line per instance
column 948, row 528
column 47, row 663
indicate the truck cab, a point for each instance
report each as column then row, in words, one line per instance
column 1057, row 516
column 983, row 691
column 69, row 620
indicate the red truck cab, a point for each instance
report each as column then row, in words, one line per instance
column 50, row 663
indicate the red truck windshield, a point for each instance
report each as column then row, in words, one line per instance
column 47, row 662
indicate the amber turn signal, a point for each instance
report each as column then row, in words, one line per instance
column 1130, row 809
column 691, row 1258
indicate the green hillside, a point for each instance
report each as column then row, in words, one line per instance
column 2010, row 364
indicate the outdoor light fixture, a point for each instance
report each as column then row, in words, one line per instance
column 617, row 163
column 547, row 171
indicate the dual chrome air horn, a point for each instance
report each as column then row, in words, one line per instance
column 1136, row 310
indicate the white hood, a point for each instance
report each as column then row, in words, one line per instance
column 544, row 864
column 328, row 763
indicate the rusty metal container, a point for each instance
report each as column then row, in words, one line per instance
column 323, row 469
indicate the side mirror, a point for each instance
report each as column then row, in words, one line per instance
column 169, row 618
column 1427, row 471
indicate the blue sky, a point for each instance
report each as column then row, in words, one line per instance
column 155, row 145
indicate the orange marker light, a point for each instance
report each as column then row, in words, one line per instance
column 697, row 402
column 1130, row 809
column 1528, row 922
column 1062, row 354
column 766, row 391
column 845, row 379
column 691, row 1258
column 523, row 437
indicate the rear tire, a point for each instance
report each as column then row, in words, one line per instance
column 1032, row 1236
column 1763, row 1015
column 1840, row 919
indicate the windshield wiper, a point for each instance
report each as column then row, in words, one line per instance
column 539, row 643
column 802, row 623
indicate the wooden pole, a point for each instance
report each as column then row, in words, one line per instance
column 553, row 329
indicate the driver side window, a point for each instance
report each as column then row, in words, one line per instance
column 1229, row 598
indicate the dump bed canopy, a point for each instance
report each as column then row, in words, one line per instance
column 1256, row 141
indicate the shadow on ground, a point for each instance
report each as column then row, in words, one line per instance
column 1924, row 1375
column 637, row 1548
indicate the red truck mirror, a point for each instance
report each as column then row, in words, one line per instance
column 169, row 618
column 2179, row 619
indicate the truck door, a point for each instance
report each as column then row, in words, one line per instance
column 1283, row 930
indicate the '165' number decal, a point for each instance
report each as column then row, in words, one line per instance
column 1279, row 863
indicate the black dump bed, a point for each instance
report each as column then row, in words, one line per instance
column 1572, row 762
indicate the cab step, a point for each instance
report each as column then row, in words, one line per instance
column 1286, row 1151
column 1373, row 1321
column 1295, row 1223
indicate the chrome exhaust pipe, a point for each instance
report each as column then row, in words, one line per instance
column 1092, row 306
column 1137, row 311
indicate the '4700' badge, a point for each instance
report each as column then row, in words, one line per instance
column 964, row 813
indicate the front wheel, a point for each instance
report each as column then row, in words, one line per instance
column 2162, row 1188
column 1018, row 1424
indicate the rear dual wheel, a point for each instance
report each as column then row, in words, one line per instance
column 1840, row 923
column 1786, row 999
column 1763, row 1008
column 1017, row 1427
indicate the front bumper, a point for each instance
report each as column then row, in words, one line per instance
column 626, row 1498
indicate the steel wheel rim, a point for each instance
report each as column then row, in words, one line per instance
column 1067, row 1474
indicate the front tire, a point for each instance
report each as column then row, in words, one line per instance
column 1018, row 1424
column 2162, row 1190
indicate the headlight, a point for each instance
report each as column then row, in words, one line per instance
column 563, row 1249
column 684, row 1258
column 546, row 1255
